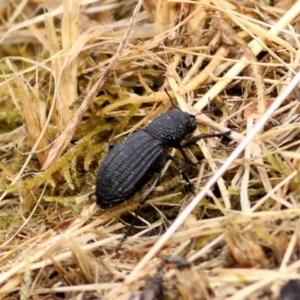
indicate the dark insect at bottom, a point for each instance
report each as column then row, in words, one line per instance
column 130, row 164
column 290, row 291
column 154, row 286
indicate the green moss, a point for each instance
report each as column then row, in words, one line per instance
column 67, row 164
column 9, row 116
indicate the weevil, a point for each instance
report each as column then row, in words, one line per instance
column 130, row 164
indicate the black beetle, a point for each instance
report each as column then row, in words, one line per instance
column 130, row 164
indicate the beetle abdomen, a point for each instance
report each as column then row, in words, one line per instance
column 127, row 167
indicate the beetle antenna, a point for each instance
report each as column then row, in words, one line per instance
column 173, row 103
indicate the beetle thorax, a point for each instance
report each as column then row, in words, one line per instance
column 172, row 127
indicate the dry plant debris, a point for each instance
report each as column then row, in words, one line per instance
column 77, row 76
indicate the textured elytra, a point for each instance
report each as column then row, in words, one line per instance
column 132, row 163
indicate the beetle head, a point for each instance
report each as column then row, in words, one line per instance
column 190, row 122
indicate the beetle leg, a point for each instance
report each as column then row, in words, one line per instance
column 138, row 209
column 182, row 173
column 186, row 158
column 150, row 190
column 196, row 138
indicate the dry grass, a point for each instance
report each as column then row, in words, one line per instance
column 79, row 75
